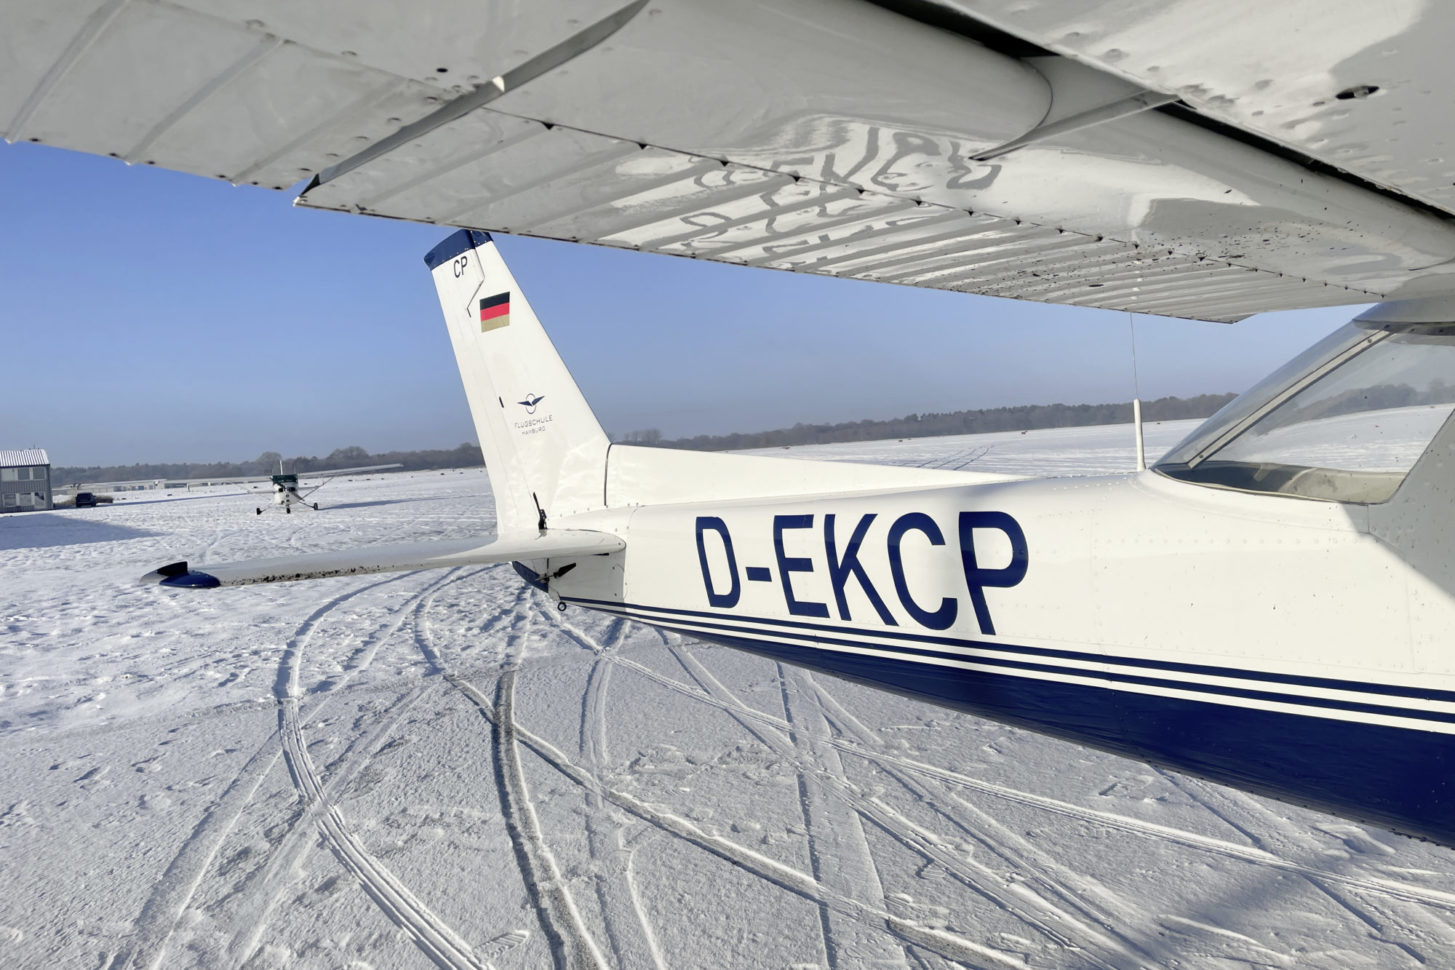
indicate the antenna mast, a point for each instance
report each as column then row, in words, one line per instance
column 1136, row 397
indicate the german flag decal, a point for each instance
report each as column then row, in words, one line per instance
column 495, row 312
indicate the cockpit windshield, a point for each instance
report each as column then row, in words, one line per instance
column 1342, row 422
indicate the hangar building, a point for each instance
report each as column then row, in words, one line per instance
column 25, row 480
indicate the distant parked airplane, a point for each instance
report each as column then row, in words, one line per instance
column 286, row 492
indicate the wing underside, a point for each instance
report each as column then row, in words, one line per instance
column 402, row 557
column 1104, row 154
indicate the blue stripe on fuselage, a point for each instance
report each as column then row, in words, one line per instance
column 1389, row 776
column 650, row 614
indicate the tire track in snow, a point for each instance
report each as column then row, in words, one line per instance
column 1398, row 923
column 428, row 931
column 219, row 535
column 1096, row 938
column 424, row 640
column 1387, row 887
column 810, row 800
column 157, row 921
column 628, row 928
column 571, row 944
column 1072, row 910
column 570, row 941
column 838, row 847
column 607, row 847
column 1072, row 896
column 942, row 943
column 270, row 885
column 948, row 945
column 956, row 460
column 639, row 906
column 824, row 834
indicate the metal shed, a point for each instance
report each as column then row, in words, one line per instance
column 25, row 480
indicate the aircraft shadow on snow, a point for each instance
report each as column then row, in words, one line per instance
column 365, row 505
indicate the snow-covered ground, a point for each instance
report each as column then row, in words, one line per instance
column 441, row 768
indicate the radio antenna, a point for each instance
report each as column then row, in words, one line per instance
column 1136, row 396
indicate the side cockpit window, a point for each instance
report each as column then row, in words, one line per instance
column 1347, row 428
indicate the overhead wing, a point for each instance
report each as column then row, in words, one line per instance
column 1152, row 157
column 336, row 472
column 234, row 480
column 148, row 482
column 385, row 559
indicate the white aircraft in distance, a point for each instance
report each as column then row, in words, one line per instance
column 1272, row 606
column 285, row 484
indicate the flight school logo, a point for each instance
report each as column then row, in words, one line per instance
column 494, row 312
column 535, row 423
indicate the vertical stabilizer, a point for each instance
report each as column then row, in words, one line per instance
column 544, row 450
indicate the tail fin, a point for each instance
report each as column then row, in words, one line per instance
column 544, row 450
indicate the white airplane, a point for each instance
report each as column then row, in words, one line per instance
column 1270, row 606
column 286, row 492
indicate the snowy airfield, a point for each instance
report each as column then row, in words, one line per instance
column 440, row 768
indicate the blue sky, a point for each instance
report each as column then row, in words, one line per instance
column 153, row 316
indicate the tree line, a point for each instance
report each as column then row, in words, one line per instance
column 1025, row 417
column 465, row 456
column 1021, row 418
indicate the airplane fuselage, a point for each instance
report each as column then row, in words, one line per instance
column 1270, row 643
column 285, row 489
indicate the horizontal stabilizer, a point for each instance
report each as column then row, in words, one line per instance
column 386, row 559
